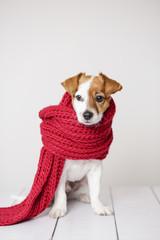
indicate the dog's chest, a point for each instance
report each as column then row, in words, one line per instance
column 75, row 170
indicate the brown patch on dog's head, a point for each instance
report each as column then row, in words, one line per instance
column 84, row 79
column 102, row 86
column 71, row 84
column 111, row 86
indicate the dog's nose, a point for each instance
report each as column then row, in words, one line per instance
column 87, row 115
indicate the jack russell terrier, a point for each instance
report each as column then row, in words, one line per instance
column 90, row 98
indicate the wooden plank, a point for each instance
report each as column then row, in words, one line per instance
column 156, row 191
column 40, row 227
column 137, row 213
column 81, row 222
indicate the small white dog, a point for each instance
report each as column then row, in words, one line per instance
column 90, row 99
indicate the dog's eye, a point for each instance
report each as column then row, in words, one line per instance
column 78, row 97
column 99, row 98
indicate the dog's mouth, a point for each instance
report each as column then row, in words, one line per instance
column 86, row 122
column 89, row 122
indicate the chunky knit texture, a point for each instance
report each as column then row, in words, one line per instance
column 63, row 138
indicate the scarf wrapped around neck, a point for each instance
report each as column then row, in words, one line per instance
column 63, row 138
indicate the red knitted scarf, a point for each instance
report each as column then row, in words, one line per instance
column 63, row 138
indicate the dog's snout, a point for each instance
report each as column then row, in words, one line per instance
column 87, row 115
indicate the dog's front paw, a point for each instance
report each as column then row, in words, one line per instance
column 102, row 210
column 57, row 212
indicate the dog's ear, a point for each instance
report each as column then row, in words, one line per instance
column 111, row 86
column 71, row 84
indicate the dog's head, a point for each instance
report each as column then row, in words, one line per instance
column 90, row 95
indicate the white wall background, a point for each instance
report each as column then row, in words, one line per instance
column 44, row 42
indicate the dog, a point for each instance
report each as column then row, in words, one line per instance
column 81, row 179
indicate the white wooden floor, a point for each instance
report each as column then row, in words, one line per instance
column 137, row 217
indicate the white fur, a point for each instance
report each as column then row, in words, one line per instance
column 76, row 170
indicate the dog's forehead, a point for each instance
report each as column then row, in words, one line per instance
column 84, row 85
column 84, row 79
column 91, row 82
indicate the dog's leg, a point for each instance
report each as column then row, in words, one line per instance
column 94, row 177
column 59, row 208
